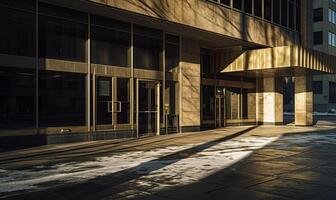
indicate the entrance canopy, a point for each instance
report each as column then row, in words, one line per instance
column 282, row 61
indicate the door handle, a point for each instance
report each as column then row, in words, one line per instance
column 118, row 106
column 110, row 106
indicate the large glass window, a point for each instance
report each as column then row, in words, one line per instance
column 268, row 9
column 238, row 4
column 226, row 2
column 276, row 11
column 208, row 70
column 248, row 6
column 17, row 82
column 318, row 87
column 62, row 33
column 291, row 12
column 284, row 12
column 147, row 48
column 110, row 42
column 61, row 99
column 172, row 53
column 258, row 7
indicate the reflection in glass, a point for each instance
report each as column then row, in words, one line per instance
column 147, row 48
column 61, row 38
column 110, row 42
column 61, row 99
column 17, row 83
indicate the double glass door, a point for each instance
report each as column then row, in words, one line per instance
column 148, row 107
column 112, row 103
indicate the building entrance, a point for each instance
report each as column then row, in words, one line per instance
column 148, row 107
column 220, row 107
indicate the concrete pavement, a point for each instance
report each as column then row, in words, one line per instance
column 231, row 163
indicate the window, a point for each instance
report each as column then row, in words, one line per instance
column 276, row 11
column 62, row 33
column 226, row 2
column 258, row 8
column 318, row 87
column 318, row 37
column 332, row 16
column 110, row 42
column 172, row 52
column 147, row 48
column 284, row 14
column 17, row 82
column 291, row 13
column 318, row 14
column 208, row 70
column 268, row 10
column 238, row 4
column 332, row 39
column 297, row 9
column 248, row 6
column 332, row 92
column 63, row 95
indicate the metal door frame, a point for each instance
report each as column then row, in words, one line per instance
column 157, row 100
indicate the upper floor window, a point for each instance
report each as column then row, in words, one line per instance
column 317, row 87
column 318, row 37
column 332, row 39
column 332, row 16
column 248, row 6
column 238, row 4
column 258, row 4
column 226, row 2
column 318, row 14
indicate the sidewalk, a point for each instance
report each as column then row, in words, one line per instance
column 235, row 163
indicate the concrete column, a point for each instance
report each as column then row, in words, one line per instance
column 272, row 101
column 260, row 100
column 303, row 101
column 191, row 85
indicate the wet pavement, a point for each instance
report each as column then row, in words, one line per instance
column 231, row 163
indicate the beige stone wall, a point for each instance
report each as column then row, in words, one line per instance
column 191, row 83
column 272, row 101
column 210, row 17
column 303, row 101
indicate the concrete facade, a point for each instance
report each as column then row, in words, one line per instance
column 134, row 68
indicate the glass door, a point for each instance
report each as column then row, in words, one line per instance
column 220, row 107
column 148, row 104
column 104, row 102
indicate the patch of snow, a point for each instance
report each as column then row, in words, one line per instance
column 146, row 164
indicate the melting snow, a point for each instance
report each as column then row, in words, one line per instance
column 147, row 164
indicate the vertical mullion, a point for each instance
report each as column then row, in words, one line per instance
column 36, row 67
column 88, row 79
column 164, row 82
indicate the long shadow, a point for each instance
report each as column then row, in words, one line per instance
column 105, row 148
column 130, row 174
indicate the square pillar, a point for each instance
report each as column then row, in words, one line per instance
column 191, row 86
column 303, row 101
column 272, row 101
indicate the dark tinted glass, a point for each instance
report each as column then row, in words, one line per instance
column 291, row 13
column 147, row 48
column 62, row 39
column 110, row 47
column 17, row 32
column 28, row 5
column 268, row 9
column 284, row 12
column 238, row 4
column 226, row 2
column 248, row 6
column 318, row 14
column 61, row 99
column 17, row 82
column 172, row 52
column 318, row 37
column 208, row 102
column 318, row 87
column 123, row 96
column 258, row 8
column 276, row 11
